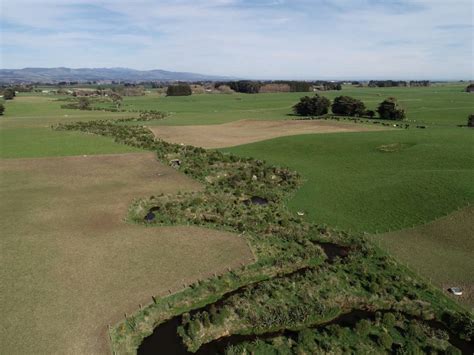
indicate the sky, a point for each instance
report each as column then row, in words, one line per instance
column 260, row 39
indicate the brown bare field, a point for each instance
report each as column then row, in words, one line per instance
column 249, row 131
column 71, row 265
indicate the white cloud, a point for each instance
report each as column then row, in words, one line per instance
column 300, row 38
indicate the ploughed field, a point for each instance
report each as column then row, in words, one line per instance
column 71, row 264
column 249, row 131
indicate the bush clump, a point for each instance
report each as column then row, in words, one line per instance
column 179, row 90
column 348, row 106
column 312, row 106
column 389, row 109
column 470, row 120
column 9, row 94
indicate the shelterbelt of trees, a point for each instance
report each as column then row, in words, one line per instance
column 318, row 105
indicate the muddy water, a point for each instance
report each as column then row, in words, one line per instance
column 150, row 216
column 256, row 200
column 334, row 251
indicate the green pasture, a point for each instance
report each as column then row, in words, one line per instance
column 354, row 184
column 25, row 130
column 441, row 104
column 44, row 142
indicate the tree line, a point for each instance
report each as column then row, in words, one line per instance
column 318, row 105
column 397, row 83
column 255, row 86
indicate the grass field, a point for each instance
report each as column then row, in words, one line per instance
column 71, row 264
column 443, row 104
column 355, row 186
column 388, row 180
column 440, row 250
column 25, row 130
column 31, row 115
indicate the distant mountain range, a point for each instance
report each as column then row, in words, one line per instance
column 54, row 75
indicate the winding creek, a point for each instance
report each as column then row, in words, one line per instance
column 165, row 339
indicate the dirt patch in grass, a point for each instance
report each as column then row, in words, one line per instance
column 249, row 131
column 441, row 251
column 71, row 265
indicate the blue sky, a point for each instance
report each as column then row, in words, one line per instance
column 301, row 39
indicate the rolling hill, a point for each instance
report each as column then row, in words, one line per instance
column 52, row 75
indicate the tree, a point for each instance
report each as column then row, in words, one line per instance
column 312, row 106
column 9, row 94
column 348, row 106
column 2, row 109
column 179, row 90
column 470, row 120
column 390, row 110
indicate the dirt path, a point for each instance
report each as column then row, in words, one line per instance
column 70, row 263
column 249, row 131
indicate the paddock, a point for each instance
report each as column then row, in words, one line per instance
column 249, row 131
column 71, row 264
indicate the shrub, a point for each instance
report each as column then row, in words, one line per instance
column 451, row 350
column 9, row 94
column 370, row 113
column 363, row 327
column 389, row 320
column 390, row 110
column 470, row 120
column 312, row 106
column 179, row 90
column 116, row 99
column 385, row 341
column 2, row 109
column 83, row 103
column 348, row 106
